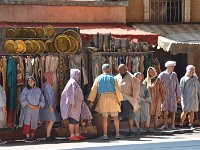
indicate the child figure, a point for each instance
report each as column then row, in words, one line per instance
column 3, row 112
column 142, row 115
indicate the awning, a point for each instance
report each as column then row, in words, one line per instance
column 182, row 38
column 87, row 31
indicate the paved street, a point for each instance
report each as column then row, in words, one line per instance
column 172, row 142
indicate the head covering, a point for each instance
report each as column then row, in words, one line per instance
column 105, row 66
column 148, row 79
column 170, row 64
column 74, row 74
column 188, row 68
column 30, row 77
column 137, row 73
column 49, row 77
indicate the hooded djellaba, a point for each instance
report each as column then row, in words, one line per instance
column 73, row 95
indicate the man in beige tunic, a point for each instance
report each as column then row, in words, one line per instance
column 130, row 88
column 109, row 99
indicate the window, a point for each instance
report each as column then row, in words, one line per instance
column 166, row 11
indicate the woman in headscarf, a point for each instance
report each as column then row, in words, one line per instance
column 71, row 103
column 190, row 93
column 47, row 114
column 158, row 94
column 31, row 100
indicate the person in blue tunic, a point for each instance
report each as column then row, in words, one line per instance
column 47, row 113
column 31, row 99
column 190, row 93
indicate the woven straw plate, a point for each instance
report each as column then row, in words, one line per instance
column 36, row 47
column 50, row 31
column 42, row 46
column 21, row 46
column 32, row 33
column 10, row 46
column 29, row 46
column 10, row 33
column 62, row 43
column 40, row 32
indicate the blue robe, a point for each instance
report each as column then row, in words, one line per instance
column 34, row 97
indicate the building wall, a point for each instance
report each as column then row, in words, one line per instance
column 135, row 11
column 195, row 10
column 62, row 14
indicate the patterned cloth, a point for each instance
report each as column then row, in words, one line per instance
column 171, row 83
column 190, row 93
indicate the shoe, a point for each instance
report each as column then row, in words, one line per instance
column 81, row 137
column 29, row 141
column 104, row 137
column 150, row 130
column 191, row 126
column 181, row 126
column 118, row 137
column 164, row 127
column 3, row 142
column 74, row 138
column 129, row 134
column 173, row 127
column 138, row 131
column 50, row 138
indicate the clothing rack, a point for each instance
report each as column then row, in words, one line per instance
column 123, row 53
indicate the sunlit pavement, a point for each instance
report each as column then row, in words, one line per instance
column 189, row 141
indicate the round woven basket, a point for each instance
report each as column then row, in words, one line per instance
column 36, row 47
column 42, row 46
column 62, row 43
column 74, row 45
column 10, row 46
column 75, row 35
column 32, row 33
column 18, row 32
column 29, row 46
column 21, row 46
column 50, row 31
column 52, row 47
column 10, row 33
column 40, row 32
column 47, row 47
column 24, row 33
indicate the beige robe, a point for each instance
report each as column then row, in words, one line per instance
column 130, row 88
column 107, row 102
column 158, row 95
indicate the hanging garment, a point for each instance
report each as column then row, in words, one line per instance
column 96, row 66
column 141, row 65
column 28, row 68
column 36, row 68
column 12, row 85
column 41, row 69
column 3, row 65
column 135, row 64
column 129, row 64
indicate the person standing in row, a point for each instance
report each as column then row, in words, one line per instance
column 158, row 94
column 130, row 88
column 70, row 104
column 47, row 113
column 190, row 94
column 142, row 115
column 109, row 99
column 31, row 99
column 171, row 83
